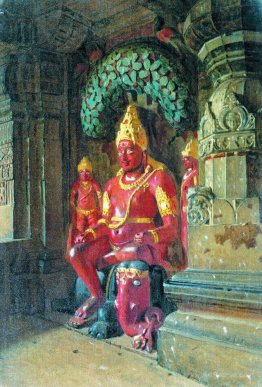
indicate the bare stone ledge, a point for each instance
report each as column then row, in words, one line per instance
column 218, row 351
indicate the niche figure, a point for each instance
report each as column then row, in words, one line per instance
column 190, row 179
column 85, row 202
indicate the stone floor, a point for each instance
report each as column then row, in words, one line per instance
column 37, row 351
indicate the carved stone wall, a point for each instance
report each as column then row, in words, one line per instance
column 6, row 156
column 34, row 180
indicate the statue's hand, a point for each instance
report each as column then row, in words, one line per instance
column 143, row 238
column 139, row 238
column 80, row 238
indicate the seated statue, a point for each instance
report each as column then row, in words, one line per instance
column 139, row 221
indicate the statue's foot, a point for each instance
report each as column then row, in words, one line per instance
column 100, row 330
column 144, row 342
column 83, row 313
column 154, row 318
column 103, row 330
column 107, row 324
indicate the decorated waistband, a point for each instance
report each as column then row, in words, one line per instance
column 85, row 212
column 133, row 220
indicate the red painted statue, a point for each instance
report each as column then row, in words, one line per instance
column 138, row 223
column 85, row 202
column 190, row 179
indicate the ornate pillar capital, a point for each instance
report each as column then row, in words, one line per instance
column 209, row 19
column 232, row 120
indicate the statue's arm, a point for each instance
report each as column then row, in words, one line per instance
column 100, row 229
column 98, row 192
column 73, row 193
column 73, row 201
column 165, row 195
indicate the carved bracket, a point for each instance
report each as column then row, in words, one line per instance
column 62, row 28
column 199, row 205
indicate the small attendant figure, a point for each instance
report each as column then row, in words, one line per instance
column 85, row 202
column 85, row 198
column 190, row 179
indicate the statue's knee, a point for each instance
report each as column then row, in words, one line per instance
column 72, row 254
column 75, row 253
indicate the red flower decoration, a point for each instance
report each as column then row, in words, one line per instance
column 81, row 68
column 95, row 55
column 188, row 134
column 194, row 133
column 165, row 35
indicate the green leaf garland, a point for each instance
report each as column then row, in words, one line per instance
column 139, row 68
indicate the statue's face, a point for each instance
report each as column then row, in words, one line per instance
column 130, row 155
column 85, row 175
column 188, row 162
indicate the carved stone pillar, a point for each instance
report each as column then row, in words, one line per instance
column 215, row 336
column 38, row 102
column 35, row 45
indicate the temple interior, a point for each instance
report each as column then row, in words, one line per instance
column 68, row 70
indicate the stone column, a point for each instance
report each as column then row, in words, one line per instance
column 36, row 43
column 216, row 334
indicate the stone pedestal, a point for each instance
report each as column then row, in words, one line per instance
column 215, row 336
column 214, row 349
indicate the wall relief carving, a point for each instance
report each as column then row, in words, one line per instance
column 6, row 143
column 207, row 122
column 227, row 144
column 6, row 192
column 232, row 129
column 234, row 116
column 199, row 205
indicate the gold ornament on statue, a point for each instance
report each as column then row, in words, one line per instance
column 123, row 273
column 84, row 165
column 127, row 187
column 164, row 202
column 132, row 129
column 106, row 204
column 191, row 149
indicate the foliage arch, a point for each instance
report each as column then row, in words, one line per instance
column 139, row 68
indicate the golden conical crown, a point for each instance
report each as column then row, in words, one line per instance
column 84, row 165
column 132, row 129
column 191, row 149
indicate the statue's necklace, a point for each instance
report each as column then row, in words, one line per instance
column 136, row 183
column 86, row 185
